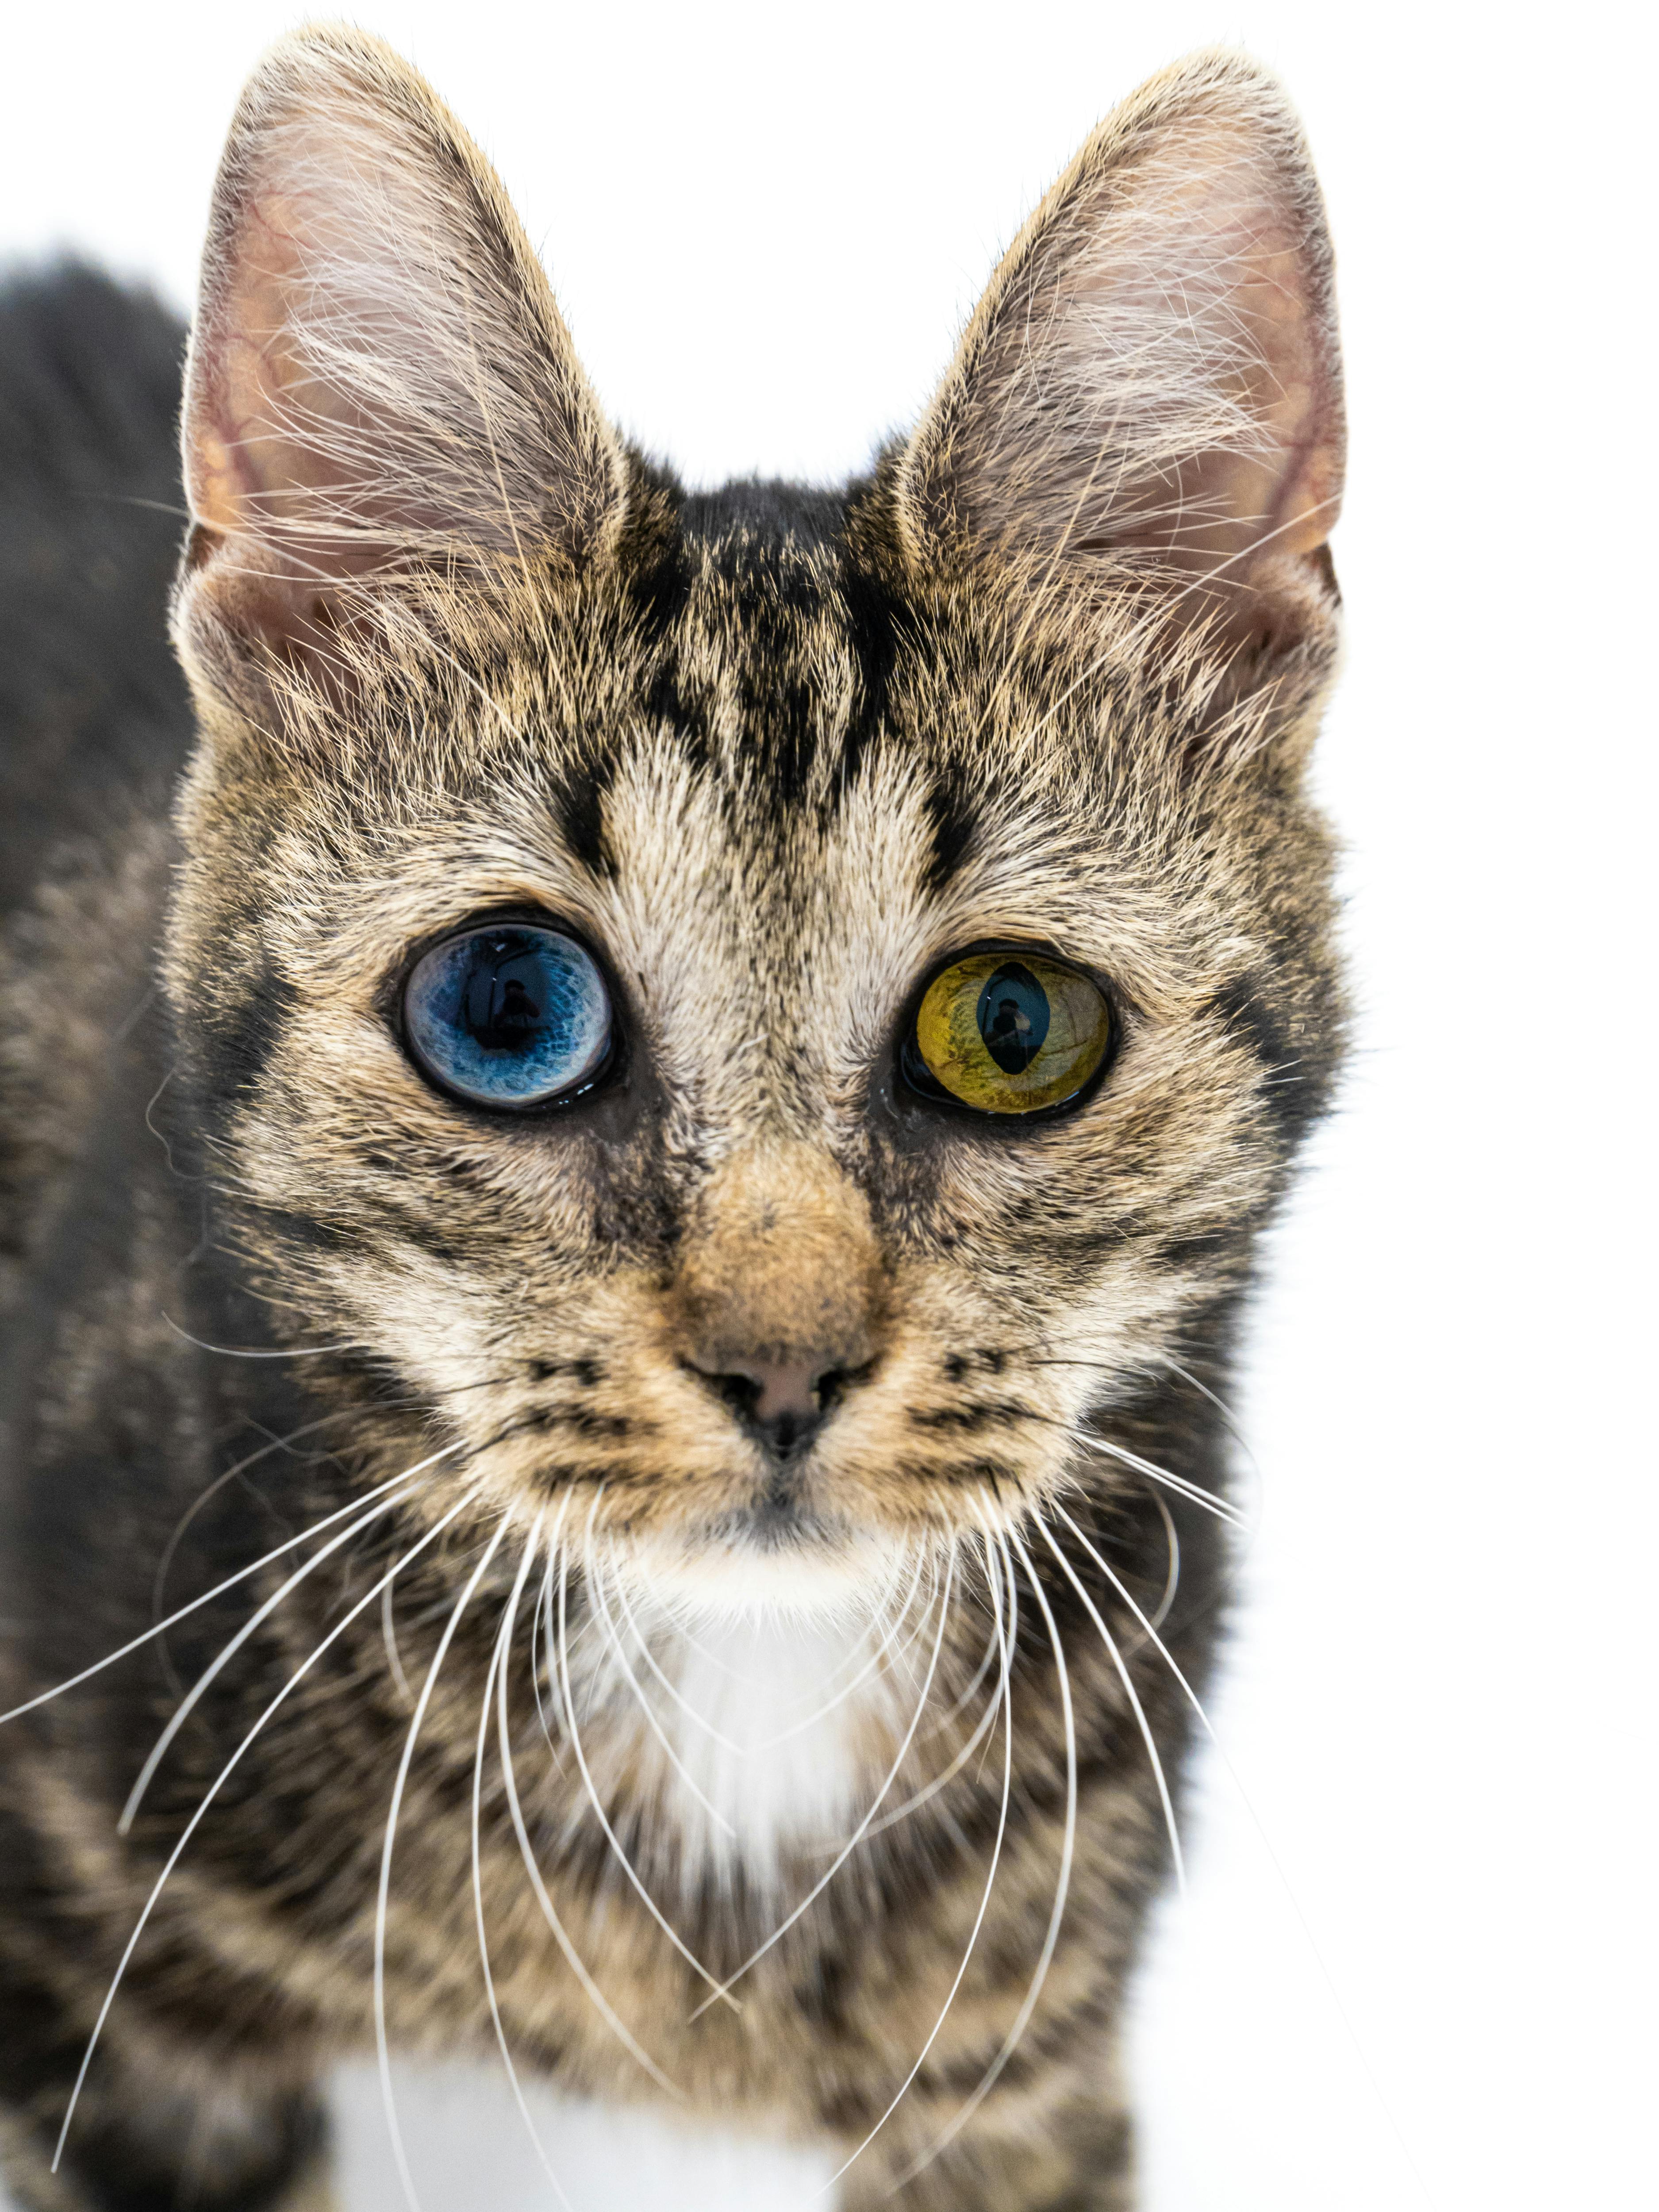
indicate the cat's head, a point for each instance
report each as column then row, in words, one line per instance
column 762, row 1015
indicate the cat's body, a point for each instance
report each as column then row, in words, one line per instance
column 775, row 754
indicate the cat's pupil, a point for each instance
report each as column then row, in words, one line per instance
column 503, row 1012
column 1013, row 1017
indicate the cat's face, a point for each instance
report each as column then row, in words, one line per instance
column 761, row 1292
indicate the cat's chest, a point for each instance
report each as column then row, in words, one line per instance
column 745, row 1748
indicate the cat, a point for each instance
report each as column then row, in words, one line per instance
column 632, row 1166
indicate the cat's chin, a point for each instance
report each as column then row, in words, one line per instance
column 746, row 1566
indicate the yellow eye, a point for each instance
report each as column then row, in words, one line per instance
column 1009, row 1033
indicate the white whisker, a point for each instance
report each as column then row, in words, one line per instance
column 726, row 1742
column 1150, row 1626
column 969, row 1691
column 540, row 1658
column 251, row 1459
column 597, row 1595
column 943, row 1780
column 1063, row 1884
column 1172, row 1575
column 498, row 1662
column 382, row 2046
column 876, row 1658
column 1010, row 1591
column 677, row 1616
column 1004, row 1699
column 244, row 1352
column 737, row 1675
column 1129, row 1691
column 859, row 1833
column 799, row 1728
column 204, row 1681
column 1179, row 1483
column 1230, row 1422
column 224, row 1775
column 610, row 1835
column 394, row 1656
column 230, row 1581
column 549, row 1913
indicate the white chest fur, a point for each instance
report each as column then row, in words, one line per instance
column 753, row 1738
column 766, row 1731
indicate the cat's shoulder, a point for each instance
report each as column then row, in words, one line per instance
column 93, row 716
column 95, row 719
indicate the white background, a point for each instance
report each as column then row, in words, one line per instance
column 765, row 225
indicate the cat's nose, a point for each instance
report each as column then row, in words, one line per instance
column 781, row 1403
column 778, row 1304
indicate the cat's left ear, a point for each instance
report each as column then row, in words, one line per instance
column 1150, row 392
column 379, row 379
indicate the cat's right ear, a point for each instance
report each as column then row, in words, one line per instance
column 379, row 379
column 1149, row 396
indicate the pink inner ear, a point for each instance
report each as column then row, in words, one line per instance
column 282, row 462
column 249, row 274
column 241, row 463
column 278, row 451
column 1278, row 500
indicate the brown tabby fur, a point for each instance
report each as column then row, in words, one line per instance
column 1049, row 677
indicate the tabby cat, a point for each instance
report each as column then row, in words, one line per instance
column 630, row 1175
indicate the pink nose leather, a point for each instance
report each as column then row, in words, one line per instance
column 780, row 1402
column 785, row 1388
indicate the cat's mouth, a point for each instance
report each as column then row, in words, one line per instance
column 782, row 1522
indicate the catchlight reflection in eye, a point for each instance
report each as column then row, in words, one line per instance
column 1010, row 1033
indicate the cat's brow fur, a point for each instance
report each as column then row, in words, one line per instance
column 775, row 753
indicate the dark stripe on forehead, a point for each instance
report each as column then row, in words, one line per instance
column 667, row 701
column 766, row 550
column 775, row 600
column 579, row 811
column 661, row 575
column 780, row 724
column 874, row 627
column 953, row 820
column 660, row 584
column 653, row 550
column 770, row 596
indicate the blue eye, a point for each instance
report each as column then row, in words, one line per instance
column 509, row 1015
